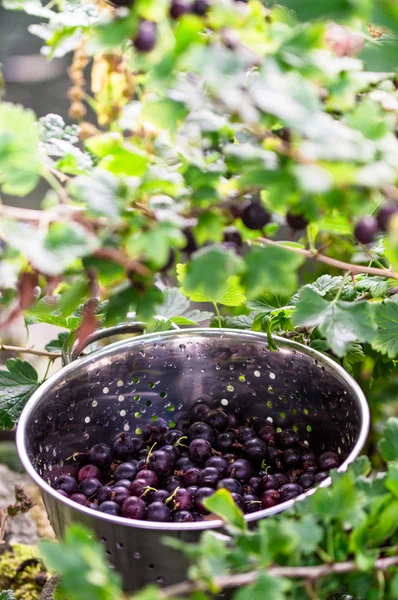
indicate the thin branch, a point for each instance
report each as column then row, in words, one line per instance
column 333, row 262
column 308, row 573
column 36, row 216
column 119, row 257
column 22, row 350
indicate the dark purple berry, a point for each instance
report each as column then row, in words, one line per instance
column 178, row 8
column 238, row 499
column 138, row 487
column 62, row 493
column 158, row 430
column 191, row 245
column 183, row 516
column 88, row 472
column 133, row 508
column 232, row 485
column 240, row 470
column 173, row 436
column 270, row 482
column 233, row 420
column 327, row 461
column 145, row 40
column 89, row 487
column 289, row 491
column 200, row 7
column 321, row 476
column 80, row 499
column 270, row 498
column 104, row 494
column 296, row 221
column 184, row 464
column 251, row 503
column 255, row 483
column 172, row 483
column 191, row 477
column 125, row 447
column 307, row 454
column 217, row 419
column 245, row 434
column 225, row 441
column 254, row 215
column 66, row 483
column 101, row 456
column 310, row 466
column 255, row 450
column 274, row 456
column 161, row 463
column 199, row 411
column 149, row 476
column 366, row 229
column 200, row 450
column 181, row 500
column 201, row 431
column 172, row 451
column 385, row 213
column 201, row 495
column 127, row 470
column 110, row 508
column 306, row 480
column 288, row 438
column 209, row 477
column 231, row 234
column 160, row 496
column 267, row 434
column 119, row 494
column 280, row 479
column 157, row 511
column 93, row 506
column 218, row 462
column 291, row 458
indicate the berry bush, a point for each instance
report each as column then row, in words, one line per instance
column 242, row 155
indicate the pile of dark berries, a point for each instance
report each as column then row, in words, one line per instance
column 167, row 476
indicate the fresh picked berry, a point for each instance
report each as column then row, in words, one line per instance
column 225, row 441
column 251, row 503
column 191, row 477
column 80, row 499
column 254, row 215
column 178, row 8
column 127, row 470
column 327, row 461
column 161, row 463
column 241, row 470
column 199, row 411
column 385, row 213
column 201, row 495
column 181, row 499
column 270, row 498
column 183, row 516
column 218, row 462
column 133, row 508
column 306, row 480
column 200, row 7
column 230, row 484
column 366, row 229
column 125, row 447
column 157, row 511
column 217, row 419
column 267, row 434
column 89, row 487
column 289, row 491
column 202, row 431
column 110, row 508
column 145, row 40
column 209, row 477
column 100, row 455
column 200, row 450
column 296, row 221
column 255, row 450
column 88, row 472
column 119, row 494
column 288, row 438
column 67, row 484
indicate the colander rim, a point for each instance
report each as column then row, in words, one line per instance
column 281, row 342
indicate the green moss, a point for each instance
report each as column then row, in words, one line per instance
column 23, row 582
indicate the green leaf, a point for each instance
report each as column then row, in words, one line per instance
column 339, row 502
column 223, row 505
column 7, row 595
column 52, row 251
column 175, row 306
column 386, row 339
column 83, row 567
column 73, row 296
column 18, row 381
column 377, row 286
column 164, row 113
column 19, row 150
column 208, row 272
column 57, row 345
column 310, row 533
column 326, row 284
column 378, row 54
column 273, row 270
column 155, row 244
column 265, row 586
column 391, row 480
column 355, row 354
column 306, row 10
column 99, row 191
column 388, row 445
column 232, row 296
column 341, row 323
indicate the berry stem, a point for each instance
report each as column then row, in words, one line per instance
column 333, row 262
column 309, row 573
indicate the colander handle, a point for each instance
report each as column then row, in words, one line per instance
column 71, row 352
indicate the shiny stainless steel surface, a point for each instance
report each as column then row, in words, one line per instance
column 127, row 384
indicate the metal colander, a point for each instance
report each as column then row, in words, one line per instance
column 129, row 384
